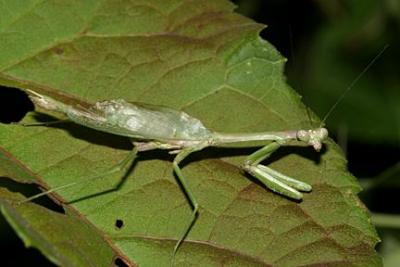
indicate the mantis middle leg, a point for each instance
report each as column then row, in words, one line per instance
column 193, row 202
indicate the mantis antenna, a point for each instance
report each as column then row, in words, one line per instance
column 351, row 85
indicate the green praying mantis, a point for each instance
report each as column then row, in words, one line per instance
column 151, row 127
column 156, row 127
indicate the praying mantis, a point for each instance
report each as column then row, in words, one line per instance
column 151, row 127
column 156, row 127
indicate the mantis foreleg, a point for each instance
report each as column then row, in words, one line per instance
column 296, row 184
column 272, row 179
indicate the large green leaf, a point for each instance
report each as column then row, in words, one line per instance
column 197, row 56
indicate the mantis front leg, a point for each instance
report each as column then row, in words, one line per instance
column 272, row 179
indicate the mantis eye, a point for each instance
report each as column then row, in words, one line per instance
column 322, row 133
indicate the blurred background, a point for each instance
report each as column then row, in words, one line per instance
column 328, row 45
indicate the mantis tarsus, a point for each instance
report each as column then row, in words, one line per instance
column 155, row 127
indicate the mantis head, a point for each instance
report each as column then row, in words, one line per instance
column 313, row 137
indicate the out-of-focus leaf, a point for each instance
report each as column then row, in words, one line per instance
column 61, row 238
column 390, row 247
column 389, row 178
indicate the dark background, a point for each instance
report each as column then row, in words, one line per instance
column 328, row 44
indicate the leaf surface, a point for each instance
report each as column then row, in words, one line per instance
column 196, row 56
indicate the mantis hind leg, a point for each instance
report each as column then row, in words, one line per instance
column 116, row 168
column 272, row 179
column 45, row 123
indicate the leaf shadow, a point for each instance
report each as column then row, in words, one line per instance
column 218, row 152
column 83, row 133
column 27, row 189
column 93, row 137
column 120, row 183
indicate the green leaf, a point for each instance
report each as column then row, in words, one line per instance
column 61, row 238
column 390, row 247
column 196, row 56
